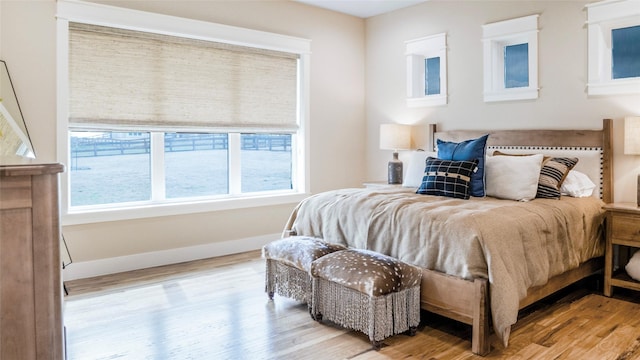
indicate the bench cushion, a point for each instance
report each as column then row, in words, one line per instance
column 366, row 291
column 366, row 271
column 298, row 251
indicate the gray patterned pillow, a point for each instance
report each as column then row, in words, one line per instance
column 447, row 178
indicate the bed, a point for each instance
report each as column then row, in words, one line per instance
column 483, row 258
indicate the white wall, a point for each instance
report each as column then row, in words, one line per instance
column 28, row 44
column 342, row 47
column 563, row 102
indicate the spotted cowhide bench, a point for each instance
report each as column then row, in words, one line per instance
column 368, row 292
column 288, row 261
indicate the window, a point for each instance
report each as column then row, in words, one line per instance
column 187, row 121
column 516, row 66
column 511, row 59
column 109, row 167
column 432, row 76
column 196, row 164
column 625, row 52
column 115, row 167
column 266, row 162
column 427, row 71
column 613, row 36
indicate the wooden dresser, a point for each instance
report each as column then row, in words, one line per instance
column 31, row 325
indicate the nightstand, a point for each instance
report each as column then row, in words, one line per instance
column 623, row 230
column 380, row 184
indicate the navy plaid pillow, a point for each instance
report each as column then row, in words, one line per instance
column 447, row 178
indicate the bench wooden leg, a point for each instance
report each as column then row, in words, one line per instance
column 413, row 330
column 315, row 317
column 376, row 345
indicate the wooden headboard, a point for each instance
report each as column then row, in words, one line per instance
column 575, row 139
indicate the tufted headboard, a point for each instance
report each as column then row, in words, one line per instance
column 593, row 147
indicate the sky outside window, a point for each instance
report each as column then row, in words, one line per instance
column 625, row 52
column 516, row 66
column 432, row 76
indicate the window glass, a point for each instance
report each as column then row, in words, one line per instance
column 195, row 164
column 432, row 76
column 109, row 167
column 625, row 52
column 516, row 66
column 266, row 162
column 179, row 151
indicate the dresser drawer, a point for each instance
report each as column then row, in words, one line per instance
column 625, row 227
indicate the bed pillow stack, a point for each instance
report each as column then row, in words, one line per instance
column 552, row 174
column 447, row 178
column 513, row 177
column 468, row 150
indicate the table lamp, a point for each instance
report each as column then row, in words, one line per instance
column 632, row 143
column 395, row 137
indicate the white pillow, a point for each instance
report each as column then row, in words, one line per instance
column 415, row 168
column 513, row 177
column 577, row 184
column 633, row 267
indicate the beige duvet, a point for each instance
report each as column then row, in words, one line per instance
column 516, row 245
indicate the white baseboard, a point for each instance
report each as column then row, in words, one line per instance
column 86, row 269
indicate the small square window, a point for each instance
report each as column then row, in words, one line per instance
column 427, row 71
column 614, row 47
column 510, row 50
column 625, row 52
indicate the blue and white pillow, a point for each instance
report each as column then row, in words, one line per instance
column 468, row 150
column 447, row 178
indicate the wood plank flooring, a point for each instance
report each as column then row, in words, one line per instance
column 217, row 309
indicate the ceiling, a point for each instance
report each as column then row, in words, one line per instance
column 362, row 8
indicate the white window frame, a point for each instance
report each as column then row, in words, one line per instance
column 98, row 14
column 602, row 18
column 495, row 37
column 417, row 51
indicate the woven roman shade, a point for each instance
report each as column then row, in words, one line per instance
column 123, row 79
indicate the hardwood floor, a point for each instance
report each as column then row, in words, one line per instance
column 217, row 309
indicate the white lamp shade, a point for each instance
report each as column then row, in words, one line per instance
column 395, row 137
column 632, row 135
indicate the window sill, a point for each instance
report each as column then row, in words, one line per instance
column 511, row 94
column 430, row 100
column 141, row 211
column 615, row 87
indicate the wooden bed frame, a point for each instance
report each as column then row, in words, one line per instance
column 467, row 301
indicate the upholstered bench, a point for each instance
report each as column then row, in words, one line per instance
column 288, row 262
column 368, row 292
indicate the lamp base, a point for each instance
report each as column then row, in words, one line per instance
column 394, row 170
